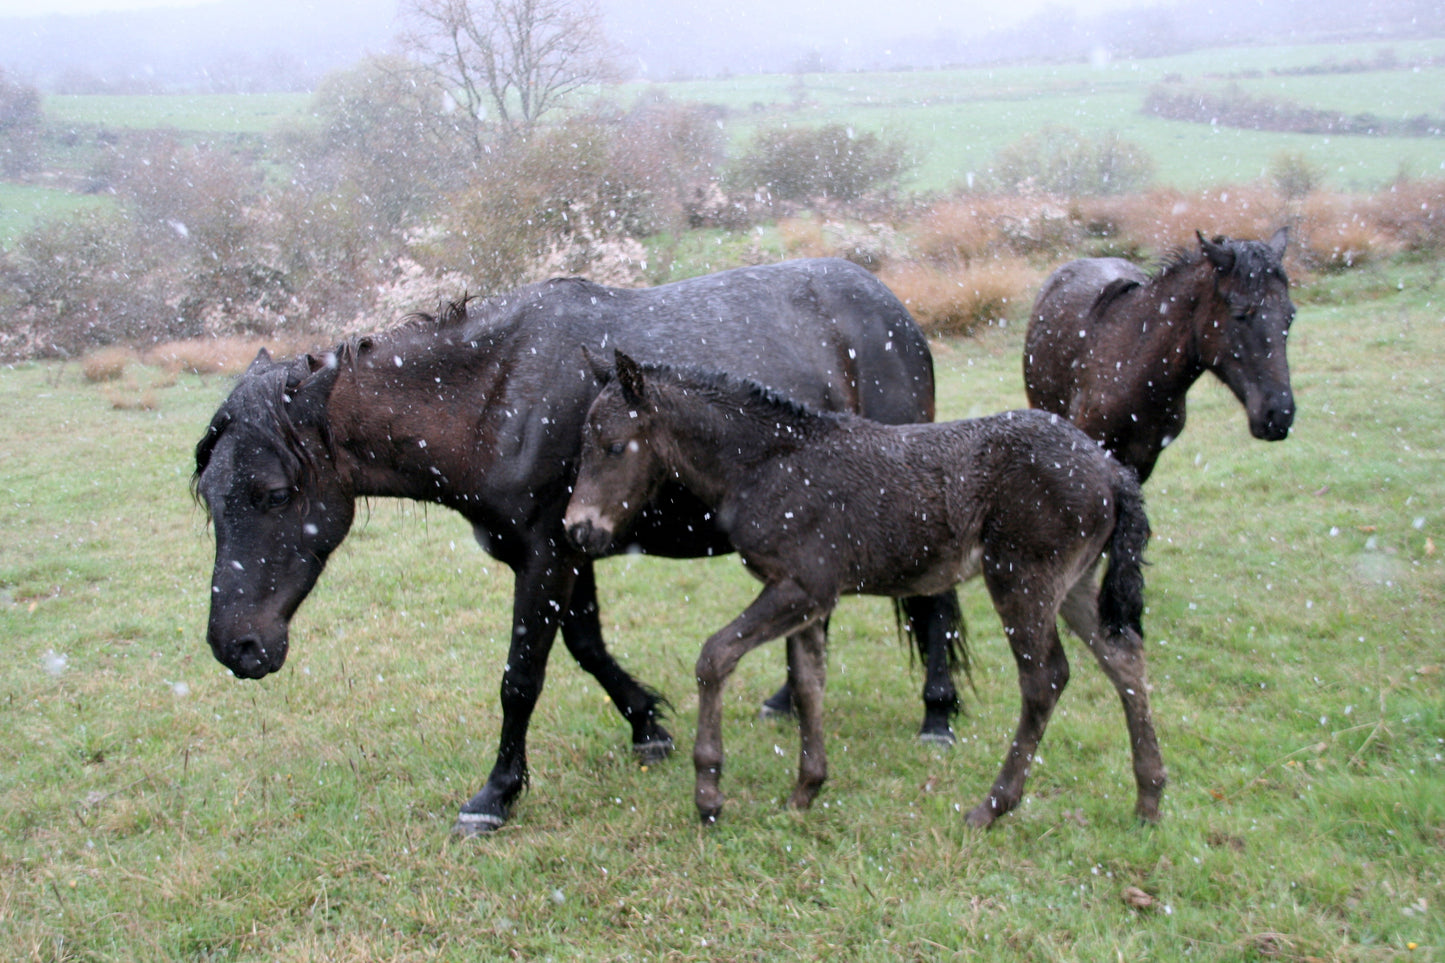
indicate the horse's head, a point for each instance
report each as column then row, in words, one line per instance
column 266, row 473
column 1244, row 341
column 619, row 471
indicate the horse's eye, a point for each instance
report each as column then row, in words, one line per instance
column 278, row 498
column 616, row 448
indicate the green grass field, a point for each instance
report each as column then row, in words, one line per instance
column 154, row 808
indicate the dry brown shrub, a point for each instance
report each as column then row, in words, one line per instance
column 1337, row 232
column 1412, row 214
column 106, row 364
column 1163, row 219
column 214, row 355
column 803, row 237
column 962, row 230
column 959, row 299
column 132, row 397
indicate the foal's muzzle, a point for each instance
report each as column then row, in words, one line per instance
column 587, row 533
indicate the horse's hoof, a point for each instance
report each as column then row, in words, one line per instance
column 938, row 737
column 654, row 750
column 476, row 824
column 775, row 709
column 708, row 817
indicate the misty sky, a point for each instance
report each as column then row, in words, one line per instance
column 963, row 16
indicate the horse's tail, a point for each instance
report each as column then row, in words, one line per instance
column 955, row 632
column 1121, row 598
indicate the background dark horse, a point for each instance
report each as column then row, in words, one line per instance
column 481, row 411
column 1115, row 350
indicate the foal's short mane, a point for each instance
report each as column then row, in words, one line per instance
column 734, row 390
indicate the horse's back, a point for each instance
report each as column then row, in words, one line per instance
column 824, row 331
column 1070, row 301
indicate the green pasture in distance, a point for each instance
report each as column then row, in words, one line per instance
column 200, row 113
column 23, row 205
column 956, row 120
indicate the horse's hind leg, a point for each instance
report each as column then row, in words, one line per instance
column 807, row 673
column 1122, row 658
column 1029, row 622
column 639, row 705
column 937, row 629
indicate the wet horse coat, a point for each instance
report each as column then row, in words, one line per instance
column 821, row 504
column 1115, row 350
column 480, row 410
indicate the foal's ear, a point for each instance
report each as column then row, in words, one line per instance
column 1217, row 251
column 1278, row 242
column 601, row 370
column 629, row 376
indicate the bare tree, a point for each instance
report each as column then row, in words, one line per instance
column 507, row 62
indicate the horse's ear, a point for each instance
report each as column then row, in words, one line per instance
column 307, row 400
column 262, row 360
column 629, row 376
column 1279, row 241
column 1217, row 251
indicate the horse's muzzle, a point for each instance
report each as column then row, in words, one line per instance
column 1274, row 422
column 248, row 657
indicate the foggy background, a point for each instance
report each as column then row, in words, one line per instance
column 288, row 45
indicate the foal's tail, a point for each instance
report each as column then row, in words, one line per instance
column 1121, row 598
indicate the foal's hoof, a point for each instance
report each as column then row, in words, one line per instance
column 708, row 817
column 981, row 816
column 653, row 750
column 476, row 824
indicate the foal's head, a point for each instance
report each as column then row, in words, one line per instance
column 619, row 471
column 1244, row 342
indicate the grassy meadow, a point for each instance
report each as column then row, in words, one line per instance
column 152, row 807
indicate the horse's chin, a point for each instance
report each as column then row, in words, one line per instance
column 1271, row 429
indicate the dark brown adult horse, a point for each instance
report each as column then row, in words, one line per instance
column 824, row 504
column 481, row 410
column 1115, row 350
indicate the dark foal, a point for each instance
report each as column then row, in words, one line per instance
column 1115, row 350
column 819, row 505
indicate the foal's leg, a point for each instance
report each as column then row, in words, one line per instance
column 582, row 633
column 781, row 608
column 807, row 672
column 1122, row 658
column 1029, row 620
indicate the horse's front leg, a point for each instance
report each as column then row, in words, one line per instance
column 781, row 608
column 807, row 675
column 543, row 586
column 639, row 705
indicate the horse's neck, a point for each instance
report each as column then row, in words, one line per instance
column 401, row 428
column 1169, row 327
